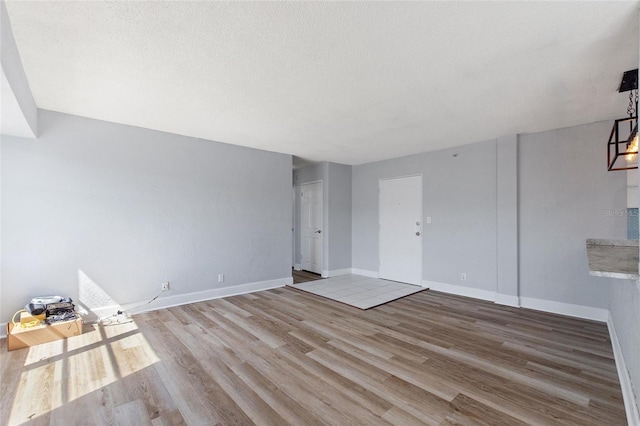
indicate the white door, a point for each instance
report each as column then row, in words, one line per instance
column 401, row 229
column 311, row 227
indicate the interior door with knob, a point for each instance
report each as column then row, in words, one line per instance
column 401, row 229
column 311, row 220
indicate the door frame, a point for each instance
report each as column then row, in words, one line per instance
column 421, row 197
column 323, row 221
column 293, row 227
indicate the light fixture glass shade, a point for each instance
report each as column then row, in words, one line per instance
column 632, row 147
column 623, row 145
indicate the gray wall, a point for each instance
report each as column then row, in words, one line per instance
column 131, row 207
column 624, row 305
column 339, row 194
column 507, row 217
column 565, row 194
column 459, row 196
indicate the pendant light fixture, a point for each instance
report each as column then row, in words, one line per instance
column 622, row 149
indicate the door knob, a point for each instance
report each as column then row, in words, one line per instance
column 418, row 234
column 318, row 232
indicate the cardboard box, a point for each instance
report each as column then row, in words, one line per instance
column 18, row 337
column 27, row 318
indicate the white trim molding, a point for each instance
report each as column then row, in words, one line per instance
column 578, row 311
column 568, row 309
column 365, row 273
column 297, row 267
column 630, row 407
column 460, row 290
column 183, row 299
column 216, row 293
column 508, row 300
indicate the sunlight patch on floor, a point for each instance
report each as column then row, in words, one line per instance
column 65, row 370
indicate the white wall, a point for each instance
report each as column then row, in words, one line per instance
column 127, row 208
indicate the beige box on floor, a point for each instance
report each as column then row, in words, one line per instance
column 18, row 337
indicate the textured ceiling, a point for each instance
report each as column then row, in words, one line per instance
column 349, row 82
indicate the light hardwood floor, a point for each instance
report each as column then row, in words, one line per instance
column 286, row 357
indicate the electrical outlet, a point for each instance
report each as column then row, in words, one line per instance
column 220, row 278
column 165, row 286
column 463, row 276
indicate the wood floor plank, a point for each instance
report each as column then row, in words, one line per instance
column 220, row 373
column 288, row 357
column 129, row 414
column 359, row 394
column 287, row 407
column 320, row 400
column 471, row 412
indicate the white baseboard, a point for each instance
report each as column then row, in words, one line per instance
column 568, row 309
column 183, row 299
column 216, row 293
column 324, row 273
column 338, row 272
column 297, row 267
column 630, row 407
column 364, row 273
column 460, row 290
column 508, row 300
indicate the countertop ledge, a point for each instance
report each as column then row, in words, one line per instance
column 613, row 258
